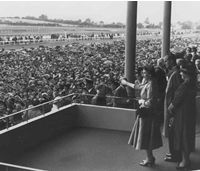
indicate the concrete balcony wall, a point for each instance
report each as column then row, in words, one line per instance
column 105, row 117
column 20, row 138
column 25, row 135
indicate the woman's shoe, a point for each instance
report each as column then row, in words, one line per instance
column 186, row 166
column 170, row 159
column 182, row 167
column 168, row 155
column 148, row 163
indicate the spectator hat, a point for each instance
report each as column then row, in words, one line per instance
column 194, row 49
column 197, row 61
column 44, row 94
column 189, row 49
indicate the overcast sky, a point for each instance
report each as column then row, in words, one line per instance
column 107, row 11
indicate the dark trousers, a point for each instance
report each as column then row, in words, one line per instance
column 175, row 154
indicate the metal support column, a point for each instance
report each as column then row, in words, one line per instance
column 166, row 28
column 130, row 48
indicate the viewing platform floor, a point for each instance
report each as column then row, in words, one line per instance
column 90, row 149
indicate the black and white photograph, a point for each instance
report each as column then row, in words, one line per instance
column 99, row 85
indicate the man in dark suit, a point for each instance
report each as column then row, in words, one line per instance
column 162, row 83
column 173, row 82
column 90, row 90
column 121, row 95
column 197, row 64
column 194, row 54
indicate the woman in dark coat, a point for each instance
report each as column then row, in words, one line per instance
column 182, row 111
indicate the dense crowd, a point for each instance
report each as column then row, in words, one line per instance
column 32, row 76
column 36, row 38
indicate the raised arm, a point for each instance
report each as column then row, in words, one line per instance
column 124, row 82
column 135, row 86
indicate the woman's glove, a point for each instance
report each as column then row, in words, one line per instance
column 171, row 109
column 141, row 102
column 123, row 82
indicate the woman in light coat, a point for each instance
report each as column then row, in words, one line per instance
column 146, row 133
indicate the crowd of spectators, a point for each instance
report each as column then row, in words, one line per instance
column 20, row 39
column 36, row 38
column 32, row 76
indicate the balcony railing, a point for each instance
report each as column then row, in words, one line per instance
column 29, row 114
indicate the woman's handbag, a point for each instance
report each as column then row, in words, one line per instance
column 143, row 112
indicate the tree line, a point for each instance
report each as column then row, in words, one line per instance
column 185, row 25
column 89, row 23
column 58, row 22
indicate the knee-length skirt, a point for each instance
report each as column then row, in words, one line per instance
column 145, row 134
